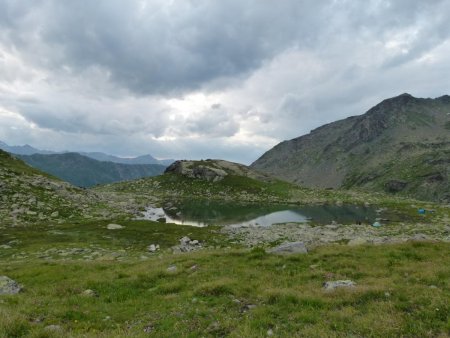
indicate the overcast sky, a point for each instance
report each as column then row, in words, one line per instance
column 208, row 79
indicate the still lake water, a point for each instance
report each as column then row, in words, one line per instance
column 204, row 213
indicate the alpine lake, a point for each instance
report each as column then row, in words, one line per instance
column 201, row 213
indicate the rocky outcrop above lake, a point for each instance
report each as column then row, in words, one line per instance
column 214, row 170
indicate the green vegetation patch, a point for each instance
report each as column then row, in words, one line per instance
column 401, row 290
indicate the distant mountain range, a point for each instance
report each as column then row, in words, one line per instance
column 144, row 159
column 84, row 171
column 401, row 146
column 23, row 150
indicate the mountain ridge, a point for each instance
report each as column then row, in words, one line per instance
column 371, row 150
column 99, row 156
column 83, row 171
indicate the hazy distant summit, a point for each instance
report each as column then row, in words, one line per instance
column 144, row 159
column 401, row 145
column 83, row 171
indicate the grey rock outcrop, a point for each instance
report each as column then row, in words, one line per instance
column 332, row 285
column 200, row 171
column 187, row 245
column 9, row 286
column 214, row 170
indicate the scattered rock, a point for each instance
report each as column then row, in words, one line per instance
column 89, row 293
column 53, row 328
column 149, row 328
column 247, row 308
column 332, row 285
column 161, row 220
column 419, row 237
column 153, row 247
column 54, row 214
column 187, row 245
column 269, row 332
column 289, row 248
column 172, row 268
column 9, row 286
column 114, row 226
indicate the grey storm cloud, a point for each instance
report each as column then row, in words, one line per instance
column 158, row 46
column 208, row 78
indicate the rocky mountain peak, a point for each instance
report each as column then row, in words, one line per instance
column 402, row 139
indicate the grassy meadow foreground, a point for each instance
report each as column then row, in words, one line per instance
column 86, row 280
column 87, row 267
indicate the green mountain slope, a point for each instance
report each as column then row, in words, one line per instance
column 83, row 171
column 401, row 145
column 30, row 196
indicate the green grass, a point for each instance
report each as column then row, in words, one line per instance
column 81, row 241
column 402, row 290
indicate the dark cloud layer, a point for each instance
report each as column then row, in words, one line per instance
column 208, row 78
column 162, row 47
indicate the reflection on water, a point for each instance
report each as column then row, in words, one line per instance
column 204, row 213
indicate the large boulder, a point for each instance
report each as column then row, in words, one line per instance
column 9, row 286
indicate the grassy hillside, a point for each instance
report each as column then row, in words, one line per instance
column 403, row 139
column 28, row 196
column 83, row 171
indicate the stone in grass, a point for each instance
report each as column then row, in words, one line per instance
column 185, row 240
column 9, row 286
column 153, row 247
column 53, row 328
column 289, row 248
column 89, row 293
column 172, row 268
column 332, row 285
column 114, row 226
